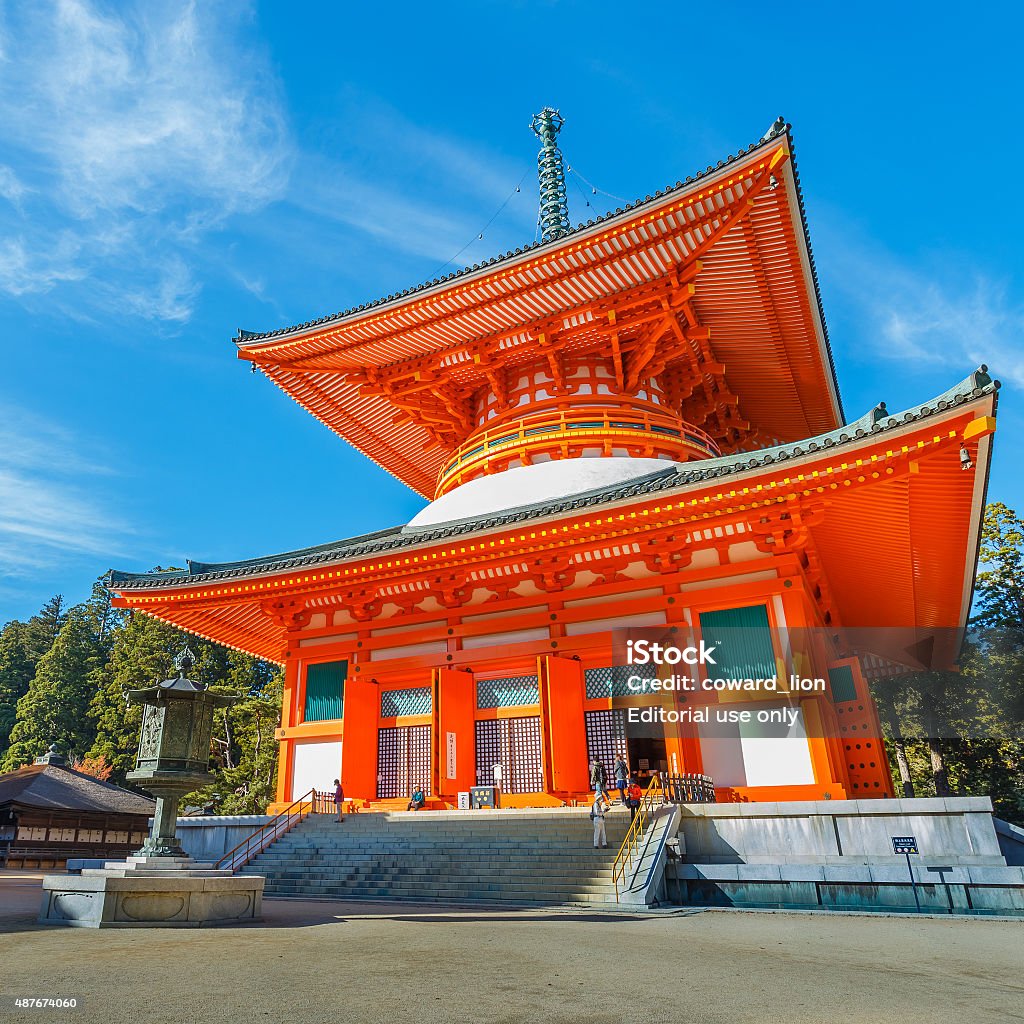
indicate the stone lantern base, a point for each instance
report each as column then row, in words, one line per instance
column 151, row 892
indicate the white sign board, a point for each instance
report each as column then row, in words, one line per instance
column 449, row 746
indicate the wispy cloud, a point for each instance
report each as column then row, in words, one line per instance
column 48, row 509
column 979, row 321
column 128, row 137
column 11, row 187
column 413, row 189
column 938, row 316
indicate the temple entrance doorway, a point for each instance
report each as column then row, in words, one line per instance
column 646, row 756
column 606, row 737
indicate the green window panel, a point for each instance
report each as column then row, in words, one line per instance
column 394, row 703
column 614, row 681
column 325, row 691
column 842, row 683
column 513, row 692
column 744, row 643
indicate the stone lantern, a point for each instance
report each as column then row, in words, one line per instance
column 160, row 886
column 174, row 748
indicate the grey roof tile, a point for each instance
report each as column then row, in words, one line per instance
column 60, row 788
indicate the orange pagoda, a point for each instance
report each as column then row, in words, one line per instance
column 634, row 422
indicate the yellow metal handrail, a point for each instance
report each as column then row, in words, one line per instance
column 635, row 833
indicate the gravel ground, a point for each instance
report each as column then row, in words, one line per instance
column 326, row 961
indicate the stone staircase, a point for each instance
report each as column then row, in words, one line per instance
column 534, row 857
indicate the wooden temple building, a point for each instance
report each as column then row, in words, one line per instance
column 50, row 813
column 634, row 422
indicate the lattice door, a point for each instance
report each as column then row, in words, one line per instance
column 403, row 760
column 606, row 736
column 515, row 744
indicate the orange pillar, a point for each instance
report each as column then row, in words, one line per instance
column 564, row 726
column 288, row 719
column 359, row 739
column 456, row 732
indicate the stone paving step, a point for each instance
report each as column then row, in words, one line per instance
column 580, row 858
column 376, row 897
column 449, row 889
column 523, row 870
column 439, row 885
column 518, row 858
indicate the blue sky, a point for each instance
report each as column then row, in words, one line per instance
column 172, row 171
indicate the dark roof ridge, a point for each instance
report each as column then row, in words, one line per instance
column 875, row 421
column 199, row 569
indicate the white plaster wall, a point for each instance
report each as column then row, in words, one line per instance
column 722, row 756
column 410, row 650
column 618, row 622
column 739, row 755
column 776, row 761
column 315, row 765
column 520, row 636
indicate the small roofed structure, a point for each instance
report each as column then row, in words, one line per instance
column 49, row 813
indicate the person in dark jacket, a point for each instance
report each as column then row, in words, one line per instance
column 621, row 771
column 598, row 776
column 339, row 799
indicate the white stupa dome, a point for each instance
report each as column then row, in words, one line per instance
column 531, row 485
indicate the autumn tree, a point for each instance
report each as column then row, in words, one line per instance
column 97, row 767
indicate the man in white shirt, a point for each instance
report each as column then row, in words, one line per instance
column 597, row 812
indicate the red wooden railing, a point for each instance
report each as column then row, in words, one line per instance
column 310, row 803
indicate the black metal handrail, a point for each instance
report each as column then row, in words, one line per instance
column 688, row 789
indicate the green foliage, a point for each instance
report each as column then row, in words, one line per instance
column 22, row 644
column 965, row 730
column 62, row 680
column 17, row 667
column 142, row 653
column 999, row 590
column 51, row 711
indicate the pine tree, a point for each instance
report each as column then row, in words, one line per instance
column 142, row 652
column 44, row 627
column 55, row 707
column 1000, row 584
column 17, row 666
column 104, row 619
column 22, row 644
